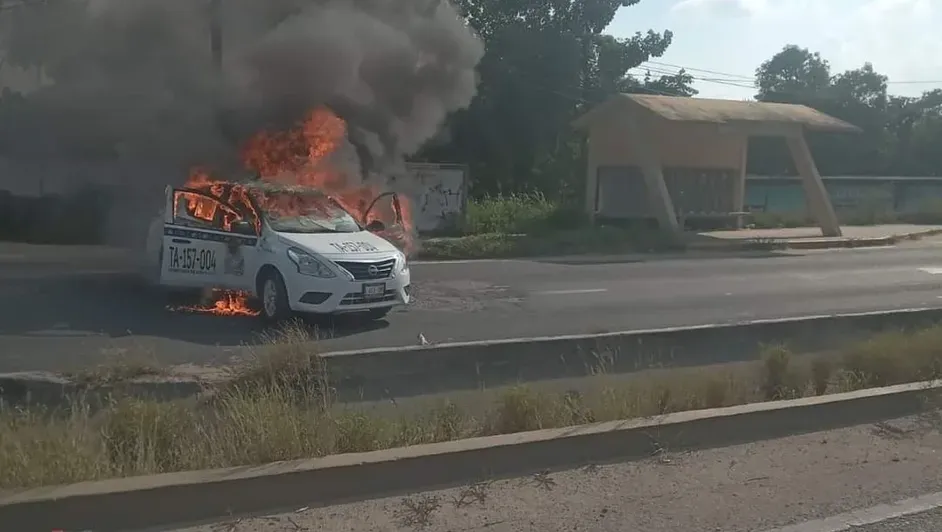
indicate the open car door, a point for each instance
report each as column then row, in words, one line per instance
column 205, row 242
column 384, row 217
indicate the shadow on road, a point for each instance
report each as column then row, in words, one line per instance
column 52, row 303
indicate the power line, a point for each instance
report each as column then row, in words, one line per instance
column 691, row 69
column 728, row 77
column 731, row 83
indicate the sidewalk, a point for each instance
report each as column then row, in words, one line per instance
column 810, row 237
column 748, row 488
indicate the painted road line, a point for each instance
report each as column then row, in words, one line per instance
column 932, row 271
column 867, row 516
column 570, row 292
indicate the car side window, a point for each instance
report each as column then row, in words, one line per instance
column 197, row 210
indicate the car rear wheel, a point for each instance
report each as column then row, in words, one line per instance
column 274, row 298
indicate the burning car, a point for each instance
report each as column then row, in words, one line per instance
column 292, row 248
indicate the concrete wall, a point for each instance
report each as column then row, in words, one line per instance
column 682, row 145
column 886, row 193
column 439, row 194
column 622, row 195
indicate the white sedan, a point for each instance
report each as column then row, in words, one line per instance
column 293, row 249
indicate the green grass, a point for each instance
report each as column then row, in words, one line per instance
column 526, row 225
column 279, row 407
column 530, row 214
column 597, row 240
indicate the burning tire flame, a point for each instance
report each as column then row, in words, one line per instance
column 227, row 303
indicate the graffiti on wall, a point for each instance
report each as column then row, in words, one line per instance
column 438, row 193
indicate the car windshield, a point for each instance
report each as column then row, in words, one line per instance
column 303, row 211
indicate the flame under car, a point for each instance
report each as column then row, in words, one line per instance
column 291, row 249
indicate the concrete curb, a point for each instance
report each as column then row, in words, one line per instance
column 845, row 242
column 719, row 247
column 199, row 496
column 400, row 372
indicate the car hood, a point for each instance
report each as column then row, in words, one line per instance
column 363, row 245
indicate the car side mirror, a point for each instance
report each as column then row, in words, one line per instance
column 243, row 227
column 376, row 226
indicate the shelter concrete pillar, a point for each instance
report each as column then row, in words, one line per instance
column 818, row 201
column 659, row 198
column 591, row 178
column 739, row 187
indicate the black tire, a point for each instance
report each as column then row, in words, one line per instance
column 378, row 313
column 277, row 309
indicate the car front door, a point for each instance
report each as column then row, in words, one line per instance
column 387, row 209
column 200, row 248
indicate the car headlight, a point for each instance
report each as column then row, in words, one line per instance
column 402, row 264
column 309, row 265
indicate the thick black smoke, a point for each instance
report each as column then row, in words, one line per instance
column 392, row 69
column 136, row 77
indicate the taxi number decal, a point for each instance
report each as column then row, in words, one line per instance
column 353, row 247
column 191, row 260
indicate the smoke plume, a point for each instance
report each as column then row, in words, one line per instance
column 136, row 79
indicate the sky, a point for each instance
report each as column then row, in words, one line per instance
column 733, row 37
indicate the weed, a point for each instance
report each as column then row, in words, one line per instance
column 822, row 370
column 782, row 380
column 277, row 407
column 417, row 512
column 543, row 480
column 475, row 493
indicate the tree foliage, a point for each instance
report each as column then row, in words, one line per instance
column 900, row 134
column 546, row 62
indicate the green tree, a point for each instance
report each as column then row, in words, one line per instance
column 914, row 125
column 859, row 96
column 792, row 74
column 546, row 62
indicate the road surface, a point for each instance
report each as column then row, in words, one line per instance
column 822, row 482
column 68, row 314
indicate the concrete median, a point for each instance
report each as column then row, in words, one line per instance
column 408, row 371
column 159, row 501
column 399, row 372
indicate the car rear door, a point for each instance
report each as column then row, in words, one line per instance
column 198, row 249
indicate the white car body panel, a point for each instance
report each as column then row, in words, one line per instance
column 205, row 258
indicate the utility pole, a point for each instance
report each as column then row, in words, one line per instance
column 215, row 33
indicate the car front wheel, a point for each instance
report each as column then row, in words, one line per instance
column 274, row 298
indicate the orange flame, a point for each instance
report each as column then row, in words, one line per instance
column 227, row 303
column 299, row 157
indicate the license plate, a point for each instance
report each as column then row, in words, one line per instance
column 374, row 290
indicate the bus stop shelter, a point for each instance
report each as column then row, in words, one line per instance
column 668, row 158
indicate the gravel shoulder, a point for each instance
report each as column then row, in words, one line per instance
column 745, row 488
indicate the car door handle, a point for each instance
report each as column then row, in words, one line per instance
column 181, row 241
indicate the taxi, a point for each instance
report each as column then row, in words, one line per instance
column 293, row 250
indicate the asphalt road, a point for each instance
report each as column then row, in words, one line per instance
column 66, row 309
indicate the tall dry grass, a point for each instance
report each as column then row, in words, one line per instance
column 279, row 406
